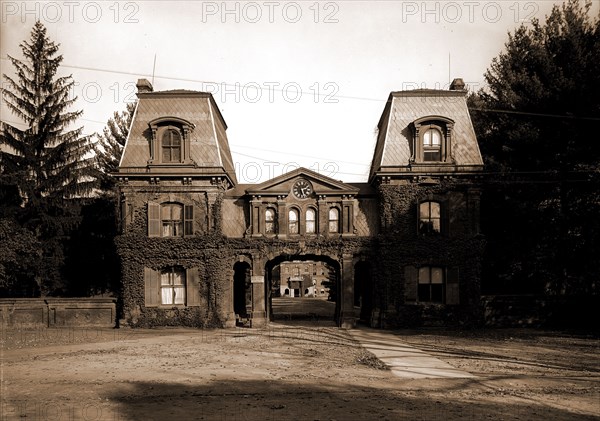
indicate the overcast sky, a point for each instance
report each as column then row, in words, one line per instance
column 299, row 83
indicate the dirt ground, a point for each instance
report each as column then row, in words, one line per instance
column 303, row 370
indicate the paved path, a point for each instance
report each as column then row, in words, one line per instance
column 404, row 360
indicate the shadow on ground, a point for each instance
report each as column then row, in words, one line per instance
column 276, row 400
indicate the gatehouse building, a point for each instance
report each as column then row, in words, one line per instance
column 198, row 248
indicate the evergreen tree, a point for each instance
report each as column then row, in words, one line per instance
column 47, row 161
column 46, row 166
column 536, row 123
column 111, row 143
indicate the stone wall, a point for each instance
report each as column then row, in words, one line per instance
column 58, row 312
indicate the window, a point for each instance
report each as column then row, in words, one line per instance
column 293, row 221
column 432, row 145
column 311, row 225
column 171, row 146
column 334, row 220
column 429, row 217
column 171, row 216
column 170, row 220
column 172, row 286
column 431, row 284
column 270, row 221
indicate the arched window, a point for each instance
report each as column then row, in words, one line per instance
column 334, row 220
column 429, row 217
column 270, row 221
column 432, row 145
column 293, row 221
column 171, row 216
column 311, row 216
column 172, row 286
column 171, row 146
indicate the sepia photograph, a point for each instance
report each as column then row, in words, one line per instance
column 303, row 210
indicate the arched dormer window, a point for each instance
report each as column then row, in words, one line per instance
column 432, row 139
column 293, row 219
column 432, row 145
column 311, row 221
column 171, row 145
column 170, row 142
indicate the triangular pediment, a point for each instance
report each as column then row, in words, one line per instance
column 321, row 184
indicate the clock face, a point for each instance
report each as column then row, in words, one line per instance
column 302, row 189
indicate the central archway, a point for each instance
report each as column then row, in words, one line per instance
column 302, row 287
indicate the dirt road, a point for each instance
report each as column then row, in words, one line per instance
column 309, row 371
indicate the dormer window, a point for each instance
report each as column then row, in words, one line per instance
column 432, row 145
column 432, row 139
column 171, row 145
column 170, row 142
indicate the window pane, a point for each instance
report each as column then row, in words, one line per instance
column 166, row 154
column 435, row 225
column 164, row 278
column 333, row 226
column 424, row 292
column 165, row 212
column 435, row 137
column 167, row 230
column 437, row 276
column 269, row 228
column 424, row 275
column 424, row 210
column 293, row 227
column 179, row 295
column 175, row 138
column 333, row 214
column 177, row 278
column 310, row 227
column 175, row 212
column 167, row 296
column 435, row 209
column 310, row 215
column 293, row 215
column 437, row 293
column 269, row 214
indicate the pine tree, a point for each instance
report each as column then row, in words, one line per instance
column 111, row 143
column 45, row 167
column 47, row 161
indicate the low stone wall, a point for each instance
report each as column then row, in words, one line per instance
column 58, row 312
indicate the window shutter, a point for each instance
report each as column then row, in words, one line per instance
column 152, row 287
column 153, row 219
column 192, row 279
column 410, row 283
column 445, row 217
column 188, row 221
column 452, row 286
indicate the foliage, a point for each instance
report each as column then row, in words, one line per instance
column 536, row 125
column 46, row 160
column 19, row 260
column 111, row 143
column 47, row 166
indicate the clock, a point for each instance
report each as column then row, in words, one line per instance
column 302, row 189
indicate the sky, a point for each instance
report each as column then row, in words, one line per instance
column 299, row 83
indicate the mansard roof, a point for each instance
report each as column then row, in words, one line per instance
column 282, row 184
column 405, row 108
column 209, row 148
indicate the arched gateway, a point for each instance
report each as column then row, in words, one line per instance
column 199, row 249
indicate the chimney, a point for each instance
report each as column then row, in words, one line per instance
column 143, row 86
column 457, row 85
